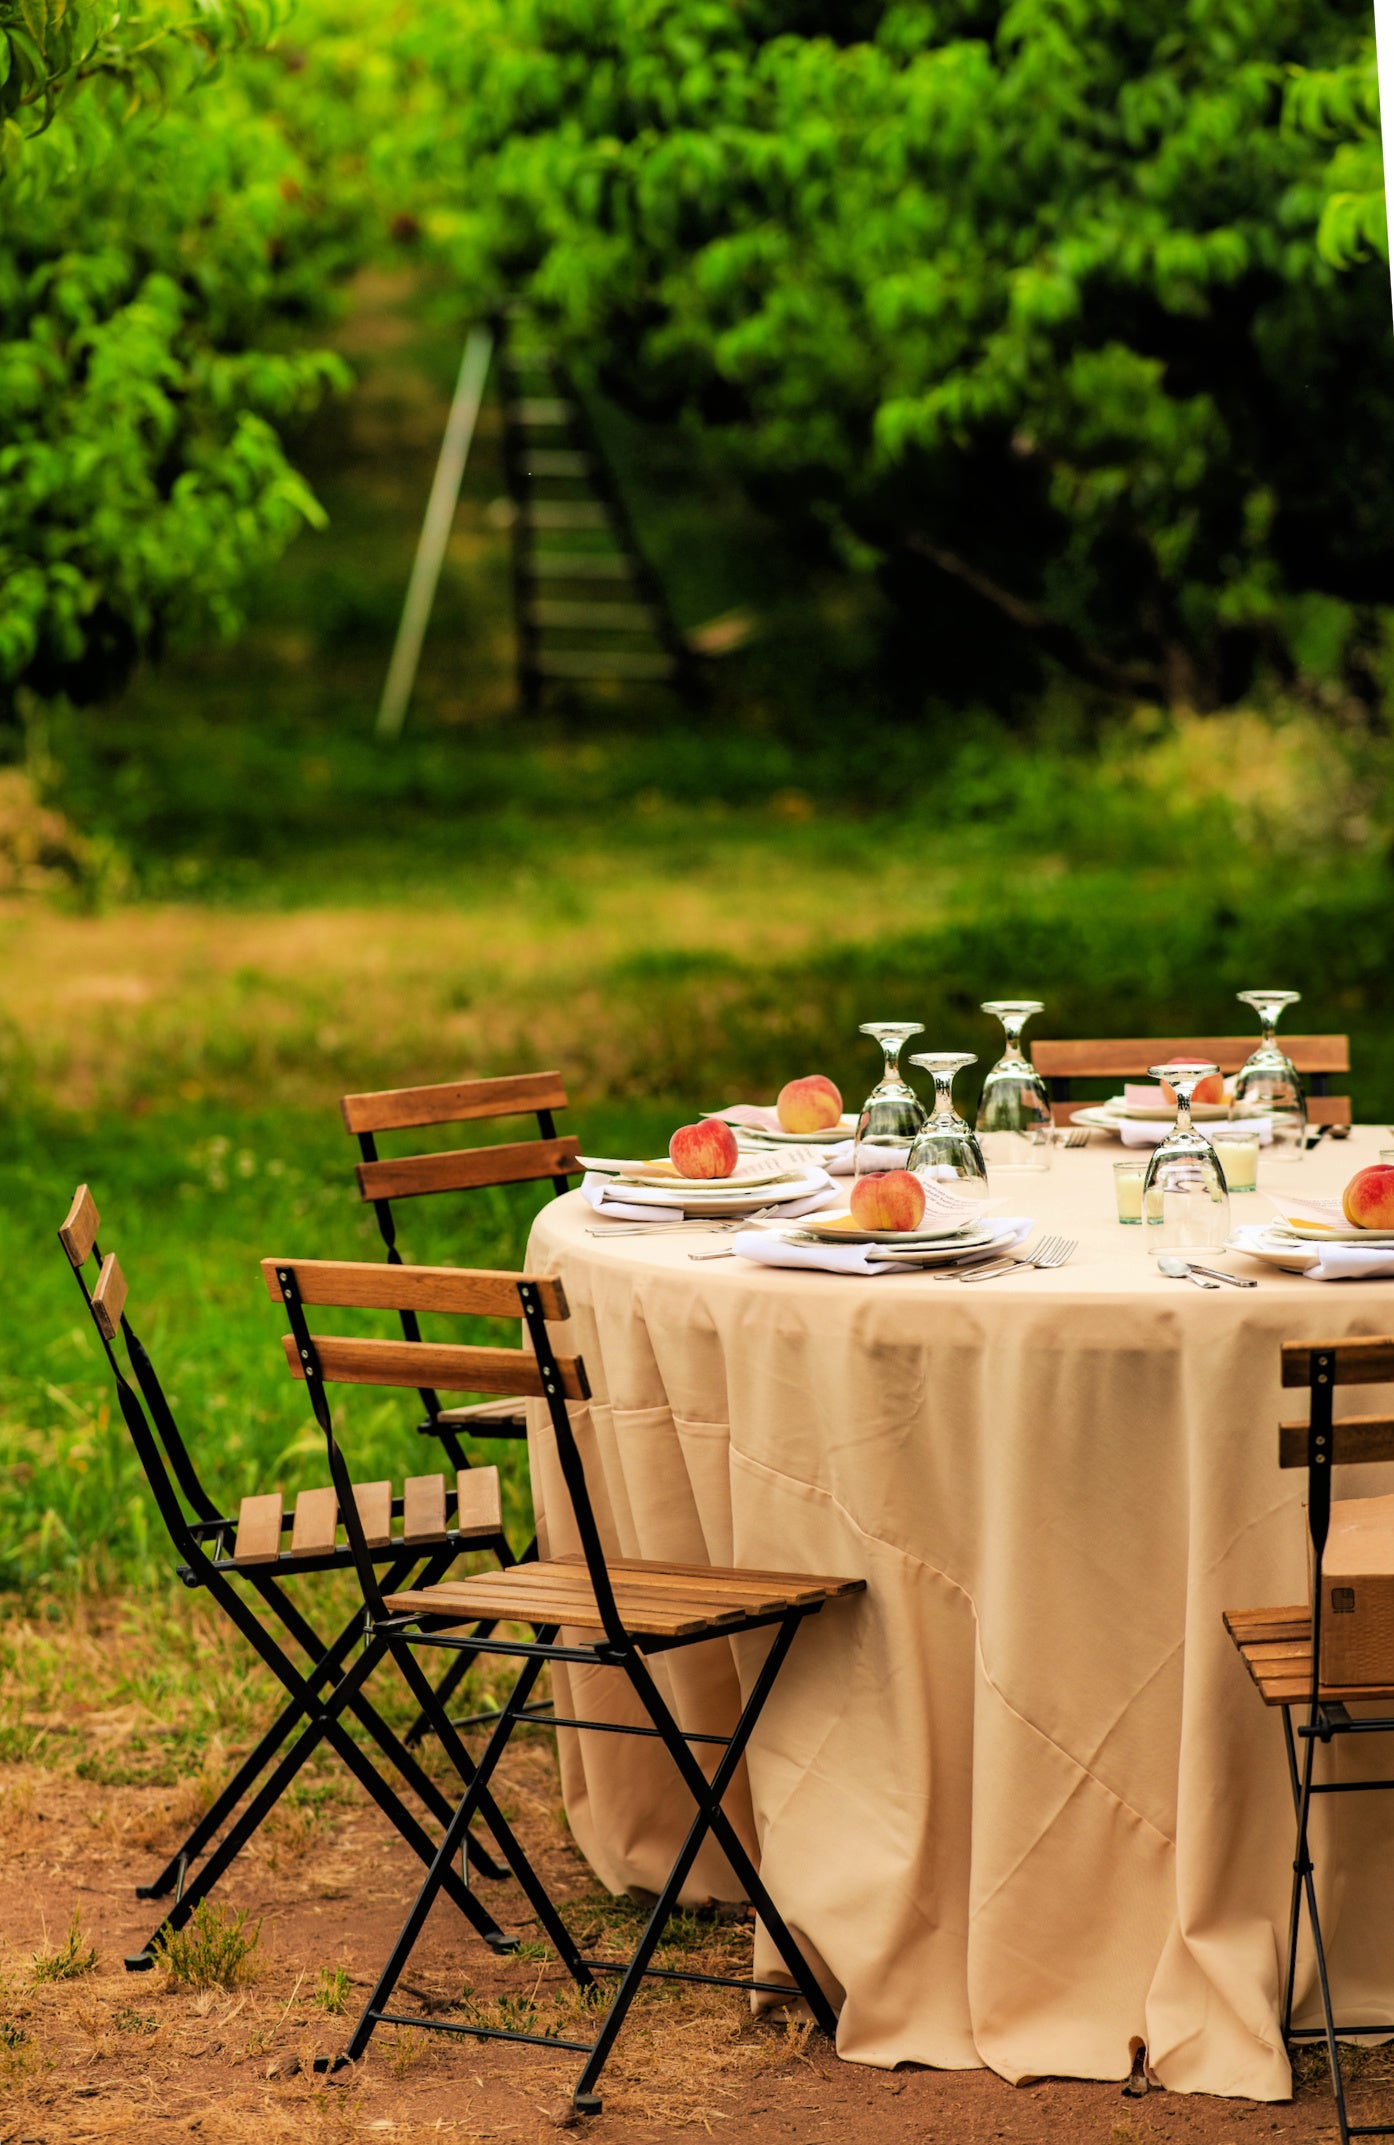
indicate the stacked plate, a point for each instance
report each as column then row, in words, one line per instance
column 757, row 1181
column 1111, row 1116
column 949, row 1242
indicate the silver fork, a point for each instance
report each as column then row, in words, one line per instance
column 662, row 1228
column 1077, row 1136
column 1055, row 1251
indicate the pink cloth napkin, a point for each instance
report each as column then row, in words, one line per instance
column 759, row 1117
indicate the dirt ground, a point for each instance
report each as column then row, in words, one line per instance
column 106, row 2054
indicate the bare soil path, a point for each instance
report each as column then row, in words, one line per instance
column 110, row 2055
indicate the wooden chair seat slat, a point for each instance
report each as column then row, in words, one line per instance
column 507, row 1414
column 473, row 1600
column 316, row 1524
column 374, row 1502
column 1275, row 1646
column 464, row 1169
column 258, row 1539
column 364, row 1285
column 478, row 1501
column 656, row 1599
column 453, row 1102
column 1132, row 1056
column 78, row 1233
column 109, row 1297
column 423, row 1508
column 792, row 1586
column 447, row 1365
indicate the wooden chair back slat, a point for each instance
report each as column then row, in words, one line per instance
column 360, row 1285
column 1359, row 1438
column 453, row 1102
column 109, row 1297
column 79, row 1232
column 1362, row 1362
column 1119, row 1057
column 450, row 1367
column 466, row 1169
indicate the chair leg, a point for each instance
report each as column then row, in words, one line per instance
column 530, row 1883
column 709, row 1817
column 389, row 1743
column 325, row 1724
column 1304, row 1887
column 475, row 1800
column 449, row 1684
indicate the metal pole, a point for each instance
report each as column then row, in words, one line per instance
column 435, row 532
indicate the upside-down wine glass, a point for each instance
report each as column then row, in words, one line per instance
column 1268, row 1083
column 892, row 1113
column 1184, row 1197
column 946, row 1154
column 1015, row 1125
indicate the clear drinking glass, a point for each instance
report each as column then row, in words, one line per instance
column 947, row 1153
column 1129, row 1176
column 1268, row 1083
column 1184, row 1196
column 892, row 1113
column 1015, row 1126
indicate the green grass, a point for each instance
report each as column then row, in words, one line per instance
column 190, row 1211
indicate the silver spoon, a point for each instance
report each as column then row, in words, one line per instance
column 1178, row 1270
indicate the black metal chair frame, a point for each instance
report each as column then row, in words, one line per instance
column 497, row 1426
column 619, row 1648
column 514, row 1426
column 1325, row 1722
column 318, row 1712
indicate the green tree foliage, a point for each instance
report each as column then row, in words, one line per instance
column 165, row 244
column 1033, row 307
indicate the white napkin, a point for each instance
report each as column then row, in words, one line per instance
column 1145, row 1132
column 1331, row 1262
column 767, row 1250
column 607, row 1198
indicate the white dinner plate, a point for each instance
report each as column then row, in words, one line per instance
column 750, row 1169
column 841, row 1229
column 1161, row 1113
column 1278, row 1251
column 722, row 1198
column 830, row 1136
column 1311, row 1233
column 966, row 1250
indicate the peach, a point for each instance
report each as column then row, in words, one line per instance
column 1211, row 1089
column 808, row 1105
column 1368, row 1200
column 705, row 1150
column 888, row 1199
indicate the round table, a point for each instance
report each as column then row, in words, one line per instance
column 1019, row 1800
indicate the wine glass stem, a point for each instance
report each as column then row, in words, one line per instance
column 892, row 1045
column 1183, row 1113
column 943, row 1094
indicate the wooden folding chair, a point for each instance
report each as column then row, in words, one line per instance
column 421, row 1532
column 1131, row 1057
column 1283, row 1651
column 380, row 1181
column 617, row 1612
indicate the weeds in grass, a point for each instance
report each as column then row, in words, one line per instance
column 214, row 1949
column 12, row 2035
column 129, row 2021
column 332, row 1991
column 71, row 1959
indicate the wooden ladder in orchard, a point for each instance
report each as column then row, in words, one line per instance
column 586, row 601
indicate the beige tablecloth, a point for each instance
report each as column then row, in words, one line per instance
column 1020, row 1799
